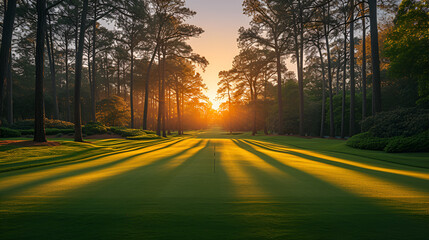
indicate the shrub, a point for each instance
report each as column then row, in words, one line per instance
column 416, row 143
column 27, row 132
column 49, row 123
column 127, row 132
column 144, row 137
column 48, row 131
column 94, row 128
column 56, row 131
column 9, row 133
column 401, row 122
column 367, row 141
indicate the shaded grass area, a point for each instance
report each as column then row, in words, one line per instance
column 262, row 188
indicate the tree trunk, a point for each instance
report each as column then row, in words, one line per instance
column 322, row 121
column 94, row 66
column 352, row 73
column 132, row 87
column 119, row 79
column 9, row 100
column 364, row 111
column 279, row 90
column 146, row 96
column 301, row 70
column 229, row 110
column 328, row 52
column 78, row 76
column 179, row 118
column 343, row 101
column 376, row 79
column 39, row 116
column 6, row 43
column 253, row 99
column 49, row 49
column 159, row 119
column 164, row 133
column 67, row 79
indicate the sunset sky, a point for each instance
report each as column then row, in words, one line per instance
column 221, row 20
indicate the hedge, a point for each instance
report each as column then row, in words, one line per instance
column 94, row 128
column 9, row 133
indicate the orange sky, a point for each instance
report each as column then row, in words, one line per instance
column 221, row 20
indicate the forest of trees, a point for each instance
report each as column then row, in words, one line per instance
column 69, row 59
column 353, row 59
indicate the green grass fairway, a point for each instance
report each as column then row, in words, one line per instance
column 261, row 187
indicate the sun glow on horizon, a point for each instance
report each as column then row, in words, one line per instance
column 220, row 20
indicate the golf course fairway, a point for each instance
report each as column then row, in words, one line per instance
column 212, row 186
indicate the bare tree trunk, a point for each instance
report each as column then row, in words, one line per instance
column 253, row 97
column 50, row 50
column 9, row 100
column 78, row 76
column 179, row 118
column 229, row 110
column 279, row 90
column 364, row 111
column 164, row 133
column 328, row 52
column 119, row 79
column 375, row 58
column 343, row 102
column 146, row 96
column 39, row 116
column 67, row 78
column 132, row 86
column 6, row 44
column 301, row 70
column 168, row 113
column 322, row 121
column 94, row 65
column 159, row 119
column 337, row 85
column 352, row 72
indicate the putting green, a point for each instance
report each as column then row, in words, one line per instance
column 213, row 186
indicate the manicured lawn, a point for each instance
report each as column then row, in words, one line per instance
column 262, row 187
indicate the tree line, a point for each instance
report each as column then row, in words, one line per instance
column 81, row 52
column 340, row 78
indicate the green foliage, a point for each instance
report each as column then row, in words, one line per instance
column 401, row 130
column 7, row 132
column 92, row 128
column 113, row 111
column 416, row 143
column 48, row 131
column 406, row 46
column 144, row 137
column 49, row 123
column 401, row 122
column 368, row 141
column 56, row 131
column 127, row 132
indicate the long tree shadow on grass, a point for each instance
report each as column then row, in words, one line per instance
column 85, row 207
column 408, row 181
column 342, row 214
column 87, row 154
column 71, row 173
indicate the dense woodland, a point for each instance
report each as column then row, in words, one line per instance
column 128, row 63
column 354, row 59
column 71, row 60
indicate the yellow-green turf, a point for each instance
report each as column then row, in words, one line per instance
column 211, row 185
